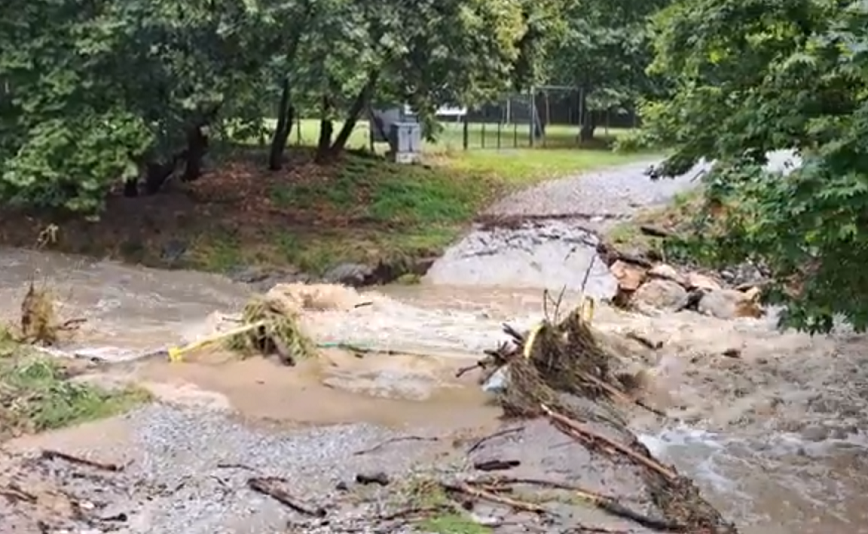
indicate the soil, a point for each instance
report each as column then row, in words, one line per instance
column 299, row 223
column 772, row 434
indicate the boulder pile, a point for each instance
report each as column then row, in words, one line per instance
column 659, row 287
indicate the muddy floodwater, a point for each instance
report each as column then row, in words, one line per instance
column 775, row 438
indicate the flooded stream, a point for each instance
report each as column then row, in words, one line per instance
column 774, row 438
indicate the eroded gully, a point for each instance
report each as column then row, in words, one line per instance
column 774, row 437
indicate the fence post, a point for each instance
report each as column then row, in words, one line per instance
column 465, row 132
column 531, row 113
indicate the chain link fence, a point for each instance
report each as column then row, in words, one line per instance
column 549, row 117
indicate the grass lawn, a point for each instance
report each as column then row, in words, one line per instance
column 360, row 209
column 37, row 395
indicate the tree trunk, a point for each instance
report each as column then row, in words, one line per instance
column 589, row 121
column 131, row 187
column 197, row 147
column 285, row 118
column 586, row 134
column 156, row 175
column 359, row 105
column 326, row 129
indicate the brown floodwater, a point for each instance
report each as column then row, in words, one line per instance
column 775, row 439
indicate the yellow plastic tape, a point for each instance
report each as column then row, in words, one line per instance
column 176, row 353
column 588, row 307
column 531, row 339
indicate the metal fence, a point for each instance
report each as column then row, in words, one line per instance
column 550, row 116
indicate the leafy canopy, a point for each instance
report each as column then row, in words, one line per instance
column 753, row 76
column 98, row 93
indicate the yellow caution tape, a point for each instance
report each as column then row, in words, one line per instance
column 588, row 307
column 176, row 353
column 531, row 339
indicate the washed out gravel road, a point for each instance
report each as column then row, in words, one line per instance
column 175, row 482
column 545, row 237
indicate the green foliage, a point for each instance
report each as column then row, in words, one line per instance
column 605, row 49
column 90, row 96
column 37, row 396
column 753, row 76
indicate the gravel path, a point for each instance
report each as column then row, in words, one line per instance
column 612, row 192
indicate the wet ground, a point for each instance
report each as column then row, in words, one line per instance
column 773, row 437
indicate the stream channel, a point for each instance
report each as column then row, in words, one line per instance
column 775, row 439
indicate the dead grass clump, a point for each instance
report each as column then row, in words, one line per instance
column 274, row 329
column 39, row 322
column 554, row 359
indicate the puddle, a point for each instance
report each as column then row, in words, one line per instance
column 338, row 387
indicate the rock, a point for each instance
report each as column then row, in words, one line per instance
column 350, row 274
column 701, row 281
column 728, row 304
column 667, row 272
column 752, row 293
column 377, row 477
column 248, row 275
column 629, row 276
column 661, row 294
column 173, row 251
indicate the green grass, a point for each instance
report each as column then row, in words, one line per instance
column 407, row 210
column 37, row 395
column 513, row 160
column 669, row 217
column 426, row 493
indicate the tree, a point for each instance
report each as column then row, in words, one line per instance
column 123, row 92
column 753, row 76
column 604, row 52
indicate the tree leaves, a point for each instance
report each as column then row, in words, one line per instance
column 768, row 76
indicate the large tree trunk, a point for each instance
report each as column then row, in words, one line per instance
column 359, row 104
column 197, row 147
column 285, row 118
column 156, row 174
column 326, row 130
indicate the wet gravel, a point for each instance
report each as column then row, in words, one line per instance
column 190, row 469
column 595, row 196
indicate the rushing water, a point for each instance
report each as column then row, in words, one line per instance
column 775, row 440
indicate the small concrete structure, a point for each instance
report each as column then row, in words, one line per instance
column 405, row 142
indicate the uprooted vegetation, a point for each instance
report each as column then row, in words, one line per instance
column 38, row 393
column 37, row 388
column 561, row 375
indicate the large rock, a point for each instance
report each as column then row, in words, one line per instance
column 629, row 276
column 667, row 272
column 662, row 294
column 728, row 304
column 350, row 274
column 701, row 281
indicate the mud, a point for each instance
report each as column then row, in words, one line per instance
column 774, row 436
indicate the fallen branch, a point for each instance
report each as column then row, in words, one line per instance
column 13, row 492
column 467, row 489
column 653, row 345
column 72, row 324
column 57, row 455
column 268, row 486
column 464, row 370
column 499, row 433
column 496, row 465
column 654, row 231
column 584, row 434
column 606, row 503
column 618, row 394
column 395, row 440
